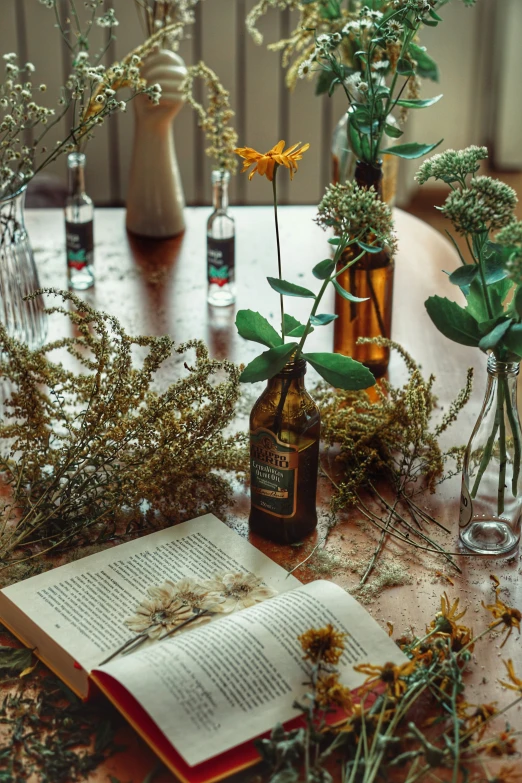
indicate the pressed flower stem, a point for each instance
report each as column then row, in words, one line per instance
column 279, row 265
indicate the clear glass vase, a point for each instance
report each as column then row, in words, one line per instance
column 24, row 320
column 491, row 498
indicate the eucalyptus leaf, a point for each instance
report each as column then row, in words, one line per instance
column 513, row 339
column 426, row 67
column 411, row 150
column 404, row 67
column 476, row 306
column 418, row 103
column 347, row 295
column 492, row 339
column 464, row 275
column 392, row 131
column 253, row 326
column 267, row 364
column 369, row 248
column 322, row 319
column 324, row 269
column 453, row 321
column 289, row 289
column 341, row 371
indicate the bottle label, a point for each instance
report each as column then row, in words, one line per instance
column 80, row 244
column 220, row 261
column 273, row 474
column 466, row 506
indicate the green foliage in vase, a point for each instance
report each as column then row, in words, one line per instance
column 371, row 51
column 97, row 450
column 489, row 280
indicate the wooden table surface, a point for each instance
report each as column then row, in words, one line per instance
column 160, row 287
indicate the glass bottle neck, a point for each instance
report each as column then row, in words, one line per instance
column 369, row 175
column 498, row 369
column 77, row 180
column 291, row 378
column 220, row 180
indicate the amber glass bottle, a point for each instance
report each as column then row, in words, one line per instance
column 371, row 277
column 284, row 457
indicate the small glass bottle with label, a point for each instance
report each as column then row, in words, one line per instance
column 285, row 427
column 221, row 240
column 79, row 222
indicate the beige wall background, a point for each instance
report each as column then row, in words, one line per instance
column 480, row 77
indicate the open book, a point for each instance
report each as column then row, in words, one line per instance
column 199, row 696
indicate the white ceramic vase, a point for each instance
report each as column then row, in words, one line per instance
column 155, row 199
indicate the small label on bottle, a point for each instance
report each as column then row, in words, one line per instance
column 220, row 261
column 80, row 244
column 466, row 506
column 273, row 474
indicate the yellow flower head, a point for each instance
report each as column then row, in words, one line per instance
column 322, row 644
column 329, row 692
column 509, row 616
column 389, row 675
column 516, row 682
column 265, row 164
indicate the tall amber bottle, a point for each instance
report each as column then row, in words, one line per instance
column 284, row 458
column 371, row 277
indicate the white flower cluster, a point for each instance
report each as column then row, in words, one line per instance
column 18, row 112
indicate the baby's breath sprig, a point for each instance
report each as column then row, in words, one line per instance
column 86, row 451
column 170, row 17
column 89, row 96
column 214, row 120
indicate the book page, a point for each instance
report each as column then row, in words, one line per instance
column 83, row 605
column 227, row 682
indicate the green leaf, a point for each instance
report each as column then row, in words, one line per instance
column 404, row 67
column 15, row 660
column 253, row 326
column 347, row 295
column 289, row 289
column 392, row 131
column 426, row 67
column 322, row 319
column 354, row 138
column 464, row 275
column 434, row 15
column 324, row 269
column 369, row 248
column 293, row 327
column 334, row 241
column 341, row 371
column 513, row 339
column 267, row 364
column 476, row 306
column 494, row 270
column 418, row 103
column 430, row 22
column 453, row 321
column 411, row 150
column 492, row 339
column 498, row 292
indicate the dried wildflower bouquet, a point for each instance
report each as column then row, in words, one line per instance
column 490, row 282
column 99, row 450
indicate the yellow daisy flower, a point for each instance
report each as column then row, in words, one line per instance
column 265, row 163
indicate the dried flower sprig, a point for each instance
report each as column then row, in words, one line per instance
column 170, row 17
column 414, row 716
column 89, row 96
column 214, row 120
column 391, row 442
column 89, row 448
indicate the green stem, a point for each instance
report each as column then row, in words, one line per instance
column 279, row 266
column 515, row 429
column 502, row 448
column 486, row 456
